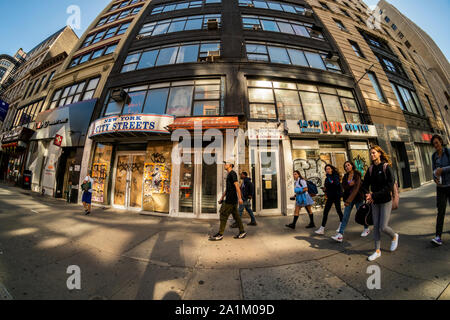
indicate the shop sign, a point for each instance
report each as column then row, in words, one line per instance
column 58, row 140
column 45, row 124
column 132, row 123
column 330, row 127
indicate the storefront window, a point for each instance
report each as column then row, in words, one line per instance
column 101, row 166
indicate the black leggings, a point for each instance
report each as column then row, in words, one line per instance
column 328, row 205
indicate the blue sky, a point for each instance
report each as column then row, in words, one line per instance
column 26, row 28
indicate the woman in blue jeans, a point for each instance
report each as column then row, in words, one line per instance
column 353, row 197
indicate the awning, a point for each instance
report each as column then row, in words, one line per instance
column 17, row 134
column 205, row 123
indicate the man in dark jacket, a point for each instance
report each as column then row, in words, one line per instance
column 247, row 191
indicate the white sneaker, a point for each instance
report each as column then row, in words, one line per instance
column 321, row 230
column 338, row 238
column 365, row 233
column 374, row 256
column 339, row 228
column 394, row 243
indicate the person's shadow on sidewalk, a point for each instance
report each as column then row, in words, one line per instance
column 324, row 243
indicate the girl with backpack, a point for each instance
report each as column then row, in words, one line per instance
column 441, row 174
column 378, row 188
column 333, row 190
column 302, row 200
column 353, row 197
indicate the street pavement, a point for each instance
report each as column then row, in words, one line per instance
column 124, row 255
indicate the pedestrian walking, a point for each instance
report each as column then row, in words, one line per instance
column 88, row 182
column 247, row 192
column 302, row 200
column 353, row 197
column 378, row 187
column 233, row 197
column 333, row 191
column 441, row 174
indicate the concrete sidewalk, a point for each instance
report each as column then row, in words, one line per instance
column 124, row 255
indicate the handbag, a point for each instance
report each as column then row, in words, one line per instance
column 364, row 215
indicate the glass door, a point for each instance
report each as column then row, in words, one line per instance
column 199, row 185
column 336, row 158
column 128, row 181
column 269, row 181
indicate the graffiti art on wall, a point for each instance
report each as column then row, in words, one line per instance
column 361, row 164
column 156, row 179
column 99, row 175
column 312, row 170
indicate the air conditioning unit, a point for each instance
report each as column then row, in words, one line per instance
column 213, row 55
column 213, row 24
column 119, row 95
column 250, row 5
column 308, row 12
column 256, row 27
column 202, row 58
column 139, row 37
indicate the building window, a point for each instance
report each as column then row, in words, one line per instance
column 431, row 106
column 340, row 25
column 417, row 77
column 28, row 113
column 394, row 27
column 181, row 99
column 183, row 5
column 124, row 4
column 105, row 34
column 356, row 49
column 92, row 55
column 408, row 99
column 387, row 19
column 272, row 5
column 298, row 101
column 174, row 54
column 389, row 65
column 178, row 24
column 118, row 16
column 49, row 79
column 345, row 13
column 401, row 35
column 403, row 54
column 281, row 25
column 74, row 93
column 407, row 44
column 273, row 53
column 324, row 5
column 40, row 84
column 376, row 86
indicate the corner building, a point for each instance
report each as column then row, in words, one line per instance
column 269, row 68
column 398, row 99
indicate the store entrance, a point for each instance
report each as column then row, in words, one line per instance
column 267, row 180
column 199, row 185
column 335, row 157
column 128, row 180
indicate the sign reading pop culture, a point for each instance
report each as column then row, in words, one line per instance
column 132, row 123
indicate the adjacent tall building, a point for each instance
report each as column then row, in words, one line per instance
column 423, row 51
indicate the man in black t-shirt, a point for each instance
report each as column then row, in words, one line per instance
column 232, row 197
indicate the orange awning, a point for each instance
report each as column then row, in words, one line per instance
column 206, row 123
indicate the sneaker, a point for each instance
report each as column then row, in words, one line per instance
column 87, row 213
column 338, row 238
column 216, row 237
column 234, row 226
column 253, row 223
column 321, row 230
column 375, row 255
column 365, row 233
column 291, row 225
column 437, row 241
column 339, row 228
column 311, row 225
column 241, row 235
column 394, row 243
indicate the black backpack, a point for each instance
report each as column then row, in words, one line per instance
column 364, row 215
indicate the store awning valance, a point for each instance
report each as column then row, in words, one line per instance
column 205, row 123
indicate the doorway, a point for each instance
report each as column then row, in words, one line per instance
column 401, row 165
column 265, row 165
column 199, row 186
column 128, row 180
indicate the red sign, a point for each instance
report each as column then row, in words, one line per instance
column 331, row 127
column 58, row 140
column 426, row 137
column 206, row 123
